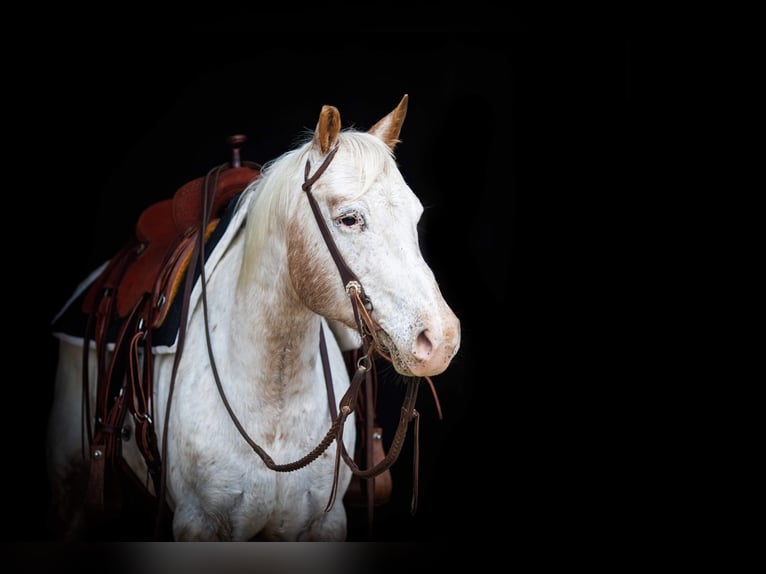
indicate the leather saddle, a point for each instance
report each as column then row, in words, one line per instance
column 129, row 301
column 155, row 260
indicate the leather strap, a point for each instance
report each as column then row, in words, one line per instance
column 327, row 374
column 347, row 276
column 135, row 397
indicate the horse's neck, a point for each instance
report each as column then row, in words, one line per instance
column 270, row 337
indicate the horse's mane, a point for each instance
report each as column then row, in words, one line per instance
column 275, row 192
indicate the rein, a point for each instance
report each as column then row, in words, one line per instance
column 125, row 384
column 362, row 307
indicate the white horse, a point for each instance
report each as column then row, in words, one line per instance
column 268, row 292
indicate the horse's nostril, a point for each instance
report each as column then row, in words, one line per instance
column 423, row 346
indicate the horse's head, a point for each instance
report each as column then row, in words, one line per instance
column 372, row 217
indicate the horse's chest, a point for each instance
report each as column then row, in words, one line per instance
column 216, row 469
column 257, row 501
column 219, row 471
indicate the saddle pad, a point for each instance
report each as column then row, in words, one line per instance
column 70, row 322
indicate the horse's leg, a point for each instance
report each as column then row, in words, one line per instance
column 192, row 524
column 233, row 517
column 196, row 516
column 328, row 527
column 194, row 521
column 67, row 470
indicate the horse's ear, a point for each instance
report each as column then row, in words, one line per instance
column 328, row 126
column 389, row 127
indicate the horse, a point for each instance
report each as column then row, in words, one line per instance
column 243, row 427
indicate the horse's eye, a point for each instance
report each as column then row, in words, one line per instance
column 351, row 219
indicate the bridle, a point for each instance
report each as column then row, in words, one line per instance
column 371, row 347
column 362, row 307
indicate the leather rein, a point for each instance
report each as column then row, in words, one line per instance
column 362, row 307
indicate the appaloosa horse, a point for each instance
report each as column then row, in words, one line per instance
column 243, row 423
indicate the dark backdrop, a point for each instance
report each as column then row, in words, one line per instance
column 515, row 140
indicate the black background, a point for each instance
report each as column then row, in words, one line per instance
column 516, row 140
